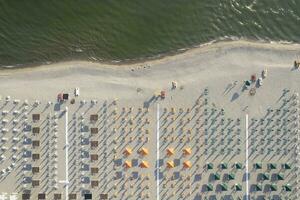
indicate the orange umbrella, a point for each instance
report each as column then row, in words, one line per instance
column 187, row 151
column 128, row 164
column 144, row 152
column 187, row 164
column 127, row 151
column 170, row 151
column 144, row 164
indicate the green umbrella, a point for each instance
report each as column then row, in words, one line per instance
column 231, row 176
column 280, row 176
column 272, row 166
column 238, row 187
column 258, row 187
column 224, row 187
column 273, row 187
column 265, row 176
column 287, row 166
column 209, row 187
column 258, row 166
column 287, row 188
column 238, row 165
column 224, row 165
column 217, row 176
column 209, row 166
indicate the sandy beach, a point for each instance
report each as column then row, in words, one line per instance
column 210, row 90
column 216, row 65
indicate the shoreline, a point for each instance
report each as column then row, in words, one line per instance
column 213, row 45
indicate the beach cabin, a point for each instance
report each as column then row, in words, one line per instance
column 94, row 157
column 103, row 196
column 94, row 183
column 41, row 196
column 35, row 156
column 35, row 170
column 35, row 183
column 72, row 196
column 94, row 170
column 36, row 130
column 94, row 130
column 35, row 117
column 94, row 144
column 57, row 196
column 26, row 196
column 94, row 118
column 87, row 196
column 35, row 143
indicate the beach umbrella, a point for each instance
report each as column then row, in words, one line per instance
column 258, row 187
column 280, row 176
column 231, row 176
column 170, row 164
column 265, row 176
column 224, row 165
column 272, row 166
column 170, row 151
column 217, row 176
column 287, row 188
column 238, row 165
column 209, row 187
column 287, row 166
column 224, row 187
column 127, row 164
column 209, row 166
column 144, row 152
column 187, row 164
column 127, row 151
column 238, row 187
column 258, row 166
column 187, row 151
column 273, row 187
column 144, row 164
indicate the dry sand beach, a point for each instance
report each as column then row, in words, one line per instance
column 195, row 137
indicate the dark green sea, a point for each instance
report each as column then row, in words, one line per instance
column 35, row 32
